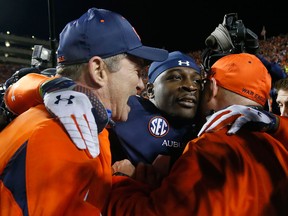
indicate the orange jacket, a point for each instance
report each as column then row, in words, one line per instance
column 281, row 133
column 44, row 173
column 25, row 93
column 217, row 175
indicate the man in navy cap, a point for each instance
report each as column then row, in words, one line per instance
column 47, row 169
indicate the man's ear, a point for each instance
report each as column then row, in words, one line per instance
column 150, row 90
column 211, row 90
column 98, row 71
column 213, row 87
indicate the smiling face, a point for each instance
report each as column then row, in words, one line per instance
column 123, row 84
column 176, row 92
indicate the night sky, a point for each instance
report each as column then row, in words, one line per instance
column 174, row 24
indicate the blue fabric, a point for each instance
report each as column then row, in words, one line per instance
column 13, row 177
column 175, row 59
column 274, row 69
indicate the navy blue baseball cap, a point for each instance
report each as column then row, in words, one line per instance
column 100, row 32
column 175, row 59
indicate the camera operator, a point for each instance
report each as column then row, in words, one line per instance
column 233, row 37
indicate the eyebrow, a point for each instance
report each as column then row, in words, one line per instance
column 278, row 100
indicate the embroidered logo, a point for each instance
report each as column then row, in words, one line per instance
column 187, row 63
column 158, row 126
column 60, row 59
column 69, row 100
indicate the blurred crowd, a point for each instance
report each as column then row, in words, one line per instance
column 274, row 49
column 6, row 70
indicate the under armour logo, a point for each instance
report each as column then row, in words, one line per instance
column 63, row 99
column 187, row 63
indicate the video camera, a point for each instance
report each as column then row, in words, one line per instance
column 229, row 37
column 40, row 59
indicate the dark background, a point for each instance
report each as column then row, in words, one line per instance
column 172, row 24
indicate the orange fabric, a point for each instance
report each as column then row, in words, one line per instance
column 281, row 133
column 58, row 174
column 217, row 175
column 231, row 73
column 24, row 94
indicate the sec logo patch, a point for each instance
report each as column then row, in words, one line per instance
column 158, row 126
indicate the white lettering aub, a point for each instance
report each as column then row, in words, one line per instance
column 171, row 143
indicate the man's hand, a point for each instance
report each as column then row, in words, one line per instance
column 124, row 167
column 238, row 116
column 74, row 110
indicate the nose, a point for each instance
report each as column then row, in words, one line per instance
column 140, row 85
column 190, row 86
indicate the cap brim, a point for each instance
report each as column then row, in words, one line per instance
column 149, row 53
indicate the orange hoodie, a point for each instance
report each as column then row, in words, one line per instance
column 43, row 172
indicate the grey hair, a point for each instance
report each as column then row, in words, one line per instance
column 74, row 71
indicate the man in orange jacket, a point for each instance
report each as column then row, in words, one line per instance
column 46, row 169
column 218, row 174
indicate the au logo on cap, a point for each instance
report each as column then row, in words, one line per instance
column 60, row 59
